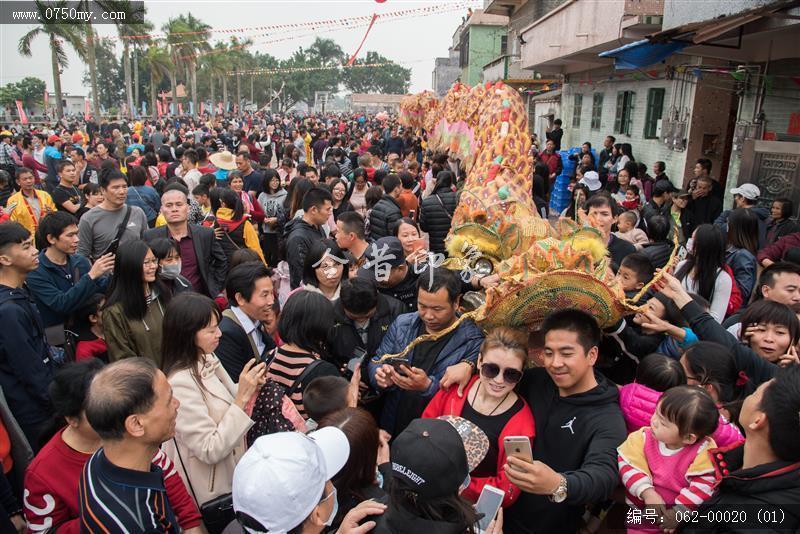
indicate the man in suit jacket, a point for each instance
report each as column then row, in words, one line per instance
column 251, row 297
column 203, row 262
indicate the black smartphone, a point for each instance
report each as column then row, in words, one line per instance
column 359, row 353
column 111, row 248
column 398, row 362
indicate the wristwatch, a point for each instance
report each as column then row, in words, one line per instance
column 560, row 493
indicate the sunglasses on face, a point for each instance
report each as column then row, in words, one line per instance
column 510, row 376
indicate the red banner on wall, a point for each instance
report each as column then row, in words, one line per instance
column 22, row 116
column 87, row 110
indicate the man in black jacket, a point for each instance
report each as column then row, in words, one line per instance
column 26, row 368
column 604, row 156
column 762, row 478
column 203, row 262
column 579, row 426
column 251, row 298
column 660, row 202
column 361, row 318
column 302, row 233
column 387, row 210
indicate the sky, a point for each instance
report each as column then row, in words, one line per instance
column 416, row 40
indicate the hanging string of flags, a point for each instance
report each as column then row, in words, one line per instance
column 361, row 19
column 288, row 70
column 366, row 22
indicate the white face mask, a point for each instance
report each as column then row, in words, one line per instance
column 171, row 271
column 335, row 508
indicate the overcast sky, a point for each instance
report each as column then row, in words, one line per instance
column 418, row 40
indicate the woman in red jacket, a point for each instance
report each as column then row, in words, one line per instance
column 490, row 402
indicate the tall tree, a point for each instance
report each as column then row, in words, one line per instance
column 158, row 63
column 389, row 79
column 125, row 28
column 29, row 89
column 111, row 92
column 58, row 35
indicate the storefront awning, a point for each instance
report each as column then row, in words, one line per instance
column 642, row 53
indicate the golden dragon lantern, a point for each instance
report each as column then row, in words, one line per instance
column 496, row 228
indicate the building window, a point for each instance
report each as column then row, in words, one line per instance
column 624, row 117
column 597, row 110
column 503, row 45
column 577, row 105
column 655, row 108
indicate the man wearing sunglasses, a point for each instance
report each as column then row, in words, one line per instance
column 579, row 426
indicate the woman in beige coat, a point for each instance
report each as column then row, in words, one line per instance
column 212, row 424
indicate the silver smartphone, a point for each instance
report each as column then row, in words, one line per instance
column 519, row 447
column 488, row 504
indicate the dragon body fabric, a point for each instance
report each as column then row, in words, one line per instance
column 541, row 267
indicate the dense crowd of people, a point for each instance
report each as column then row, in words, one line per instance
column 195, row 313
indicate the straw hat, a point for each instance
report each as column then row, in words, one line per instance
column 223, row 160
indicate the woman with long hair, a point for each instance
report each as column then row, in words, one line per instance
column 703, row 271
column 357, row 480
column 300, row 186
column 580, row 193
column 410, row 236
column 711, row 366
column 436, row 211
column 491, row 403
column 168, row 253
column 305, row 323
column 134, row 311
column 272, row 201
column 324, row 268
column 51, row 480
column 359, row 191
column 212, row 423
column 740, row 254
column 238, row 231
column 340, row 202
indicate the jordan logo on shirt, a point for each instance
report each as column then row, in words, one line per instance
column 568, row 425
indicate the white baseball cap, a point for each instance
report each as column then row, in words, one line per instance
column 281, row 478
column 748, row 191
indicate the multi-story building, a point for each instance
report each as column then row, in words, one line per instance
column 483, row 38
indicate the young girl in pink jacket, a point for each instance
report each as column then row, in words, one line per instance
column 656, row 374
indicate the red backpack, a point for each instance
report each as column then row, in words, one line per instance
column 735, row 301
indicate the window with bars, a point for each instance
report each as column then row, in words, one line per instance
column 503, row 45
column 655, row 108
column 577, row 106
column 597, row 110
column 624, row 117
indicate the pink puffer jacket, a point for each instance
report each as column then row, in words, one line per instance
column 638, row 404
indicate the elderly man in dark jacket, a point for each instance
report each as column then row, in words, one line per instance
column 387, row 210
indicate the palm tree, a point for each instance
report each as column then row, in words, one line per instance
column 240, row 59
column 145, row 28
column 187, row 37
column 134, row 12
column 158, row 61
column 216, row 66
column 175, row 30
column 58, row 35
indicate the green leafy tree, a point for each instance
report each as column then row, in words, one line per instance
column 124, row 30
column 387, row 79
column 30, row 90
column 108, row 68
column 157, row 63
column 59, row 35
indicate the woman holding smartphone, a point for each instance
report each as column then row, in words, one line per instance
column 490, row 402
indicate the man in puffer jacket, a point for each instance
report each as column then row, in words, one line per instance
column 387, row 210
column 437, row 210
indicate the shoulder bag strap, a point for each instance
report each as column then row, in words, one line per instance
column 442, row 205
column 232, row 316
column 299, row 380
column 124, row 223
column 185, row 472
